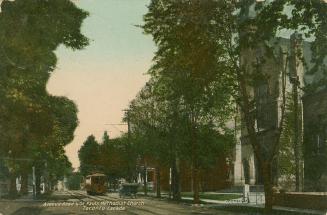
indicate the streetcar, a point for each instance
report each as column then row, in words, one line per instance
column 96, row 184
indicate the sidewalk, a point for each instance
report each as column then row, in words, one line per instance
column 28, row 197
column 233, row 201
column 240, row 203
column 24, row 198
column 275, row 208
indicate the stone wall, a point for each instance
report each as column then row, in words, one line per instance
column 315, row 201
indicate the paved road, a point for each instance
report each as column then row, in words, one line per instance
column 77, row 202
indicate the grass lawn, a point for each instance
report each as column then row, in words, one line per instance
column 214, row 196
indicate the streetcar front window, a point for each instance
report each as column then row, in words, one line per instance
column 98, row 180
column 101, row 180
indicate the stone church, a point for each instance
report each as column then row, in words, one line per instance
column 287, row 67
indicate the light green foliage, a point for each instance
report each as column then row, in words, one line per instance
column 187, row 72
column 182, row 111
column 286, row 159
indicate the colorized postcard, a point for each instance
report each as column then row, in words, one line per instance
column 163, row 107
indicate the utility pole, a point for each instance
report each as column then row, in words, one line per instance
column 34, row 183
column 128, row 127
column 128, row 140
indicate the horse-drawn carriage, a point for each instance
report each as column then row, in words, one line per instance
column 128, row 190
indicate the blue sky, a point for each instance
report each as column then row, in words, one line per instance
column 112, row 31
column 105, row 76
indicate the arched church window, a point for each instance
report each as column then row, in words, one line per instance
column 262, row 101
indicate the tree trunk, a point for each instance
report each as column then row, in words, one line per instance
column 176, row 181
column 195, row 166
column 296, row 137
column 171, row 185
column 37, row 184
column 24, row 187
column 195, row 176
column 158, row 182
column 48, row 187
column 145, row 181
column 267, row 177
column 12, row 185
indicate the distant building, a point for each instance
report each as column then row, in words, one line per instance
column 212, row 179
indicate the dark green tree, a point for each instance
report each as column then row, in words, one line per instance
column 30, row 33
column 74, row 181
column 187, row 61
column 89, row 156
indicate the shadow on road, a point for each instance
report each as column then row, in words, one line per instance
column 28, row 211
column 37, row 211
